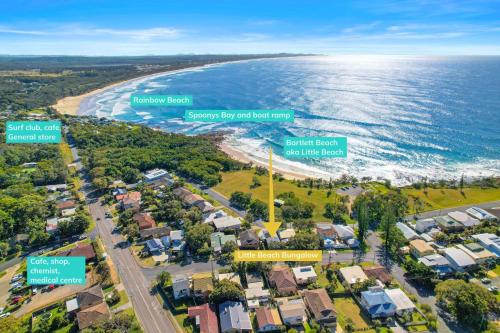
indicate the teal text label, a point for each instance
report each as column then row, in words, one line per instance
column 315, row 147
column 56, row 270
column 161, row 100
column 33, row 131
column 239, row 115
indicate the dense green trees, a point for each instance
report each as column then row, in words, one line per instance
column 226, row 290
column 198, row 235
column 468, row 302
column 294, row 208
column 240, row 199
column 118, row 151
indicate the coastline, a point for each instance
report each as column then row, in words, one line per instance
column 240, row 156
column 70, row 105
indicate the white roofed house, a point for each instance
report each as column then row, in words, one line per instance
column 177, row 241
column 402, row 302
column 256, row 295
column 286, row 234
column 459, row 260
column 490, row 241
column 227, row 223
column 425, row 225
column 154, row 174
column 481, row 214
column 463, row 218
column 408, row 232
column 478, row 253
column 304, row 275
column 353, row 274
column 181, row 286
column 437, row 263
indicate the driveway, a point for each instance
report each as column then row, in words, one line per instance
column 5, row 285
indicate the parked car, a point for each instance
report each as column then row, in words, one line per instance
column 6, row 314
column 493, row 288
column 485, row 280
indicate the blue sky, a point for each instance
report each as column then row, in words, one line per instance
column 238, row 26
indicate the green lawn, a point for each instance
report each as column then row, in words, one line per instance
column 123, row 299
column 446, row 198
column 347, row 308
column 241, row 181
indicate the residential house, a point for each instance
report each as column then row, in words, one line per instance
column 131, row 200
column 89, row 316
column 56, row 187
column 155, row 174
column 304, row 275
column 203, row 284
column 227, row 223
column 478, row 253
column 233, row 277
column 481, row 214
column 166, row 242
column 466, row 220
column 343, row 232
column 321, row 307
column 89, row 297
column 268, row 319
column 286, row 234
column 68, row 212
column 408, row 232
column 154, row 246
column 256, row 295
column 80, row 250
column 447, row 224
column 209, row 217
column 144, row 221
column 51, row 226
column 377, row 303
column 438, row 263
column 425, row 225
column 234, row 318
column 157, row 232
column 181, row 286
column 292, row 311
column 379, row 273
column 420, row 248
column 402, row 302
column 459, row 260
column 249, row 240
column 282, row 280
column 325, row 230
column 218, row 239
column 490, row 242
column 253, row 277
column 353, row 274
column 204, row 206
column 205, row 318
column 177, row 241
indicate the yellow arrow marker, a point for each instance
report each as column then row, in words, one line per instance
column 271, row 226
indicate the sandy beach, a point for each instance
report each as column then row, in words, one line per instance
column 243, row 158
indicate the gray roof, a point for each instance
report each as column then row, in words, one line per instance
column 459, row 257
column 408, row 232
column 344, row 232
column 434, row 260
column 425, row 224
column 232, row 316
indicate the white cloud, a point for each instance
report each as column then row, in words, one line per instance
column 76, row 30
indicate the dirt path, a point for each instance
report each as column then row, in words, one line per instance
column 5, row 285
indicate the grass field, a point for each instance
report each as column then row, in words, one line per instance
column 446, row 198
column 241, row 181
column 347, row 308
column 123, row 299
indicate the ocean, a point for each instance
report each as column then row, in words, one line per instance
column 405, row 118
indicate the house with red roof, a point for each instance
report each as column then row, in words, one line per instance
column 268, row 319
column 144, row 221
column 205, row 318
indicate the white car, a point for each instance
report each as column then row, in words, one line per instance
column 6, row 314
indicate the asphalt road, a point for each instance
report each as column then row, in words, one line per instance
column 439, row 212
column 220, row 198
column 149, row 311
